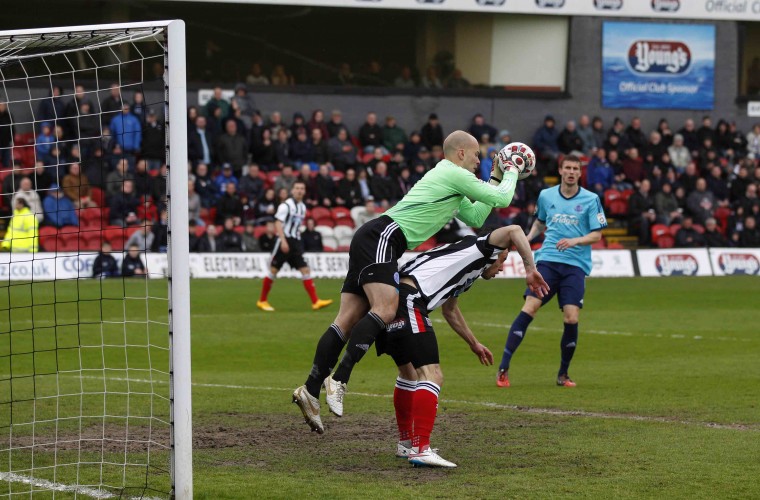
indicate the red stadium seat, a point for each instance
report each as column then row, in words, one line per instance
column 615, row 246
column 200, row 231
column 658, row 230
column 345, row 221
column 599, row 245
column 328, row 249
column 321, row 213
column 48, row 238
column 325, row 221
column 115, row 236
column 626, row 194
column 68, row 242
column 666, row 241
column 343, row 248
column 699, row 228
column 90, row 241
column 673, row 229
column 618, row 208
column 611, row 195
column 340, row 212
column 90, row 218
column 98, row 197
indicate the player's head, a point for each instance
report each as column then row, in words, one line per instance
column 298, row 190
column 570, row 170
column 462, row 149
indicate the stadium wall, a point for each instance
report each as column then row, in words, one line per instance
column 607, row 263
column 522, row 114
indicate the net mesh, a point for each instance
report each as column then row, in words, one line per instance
column 84, row 354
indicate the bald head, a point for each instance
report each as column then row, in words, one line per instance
column 459, row 139
column 462, row 149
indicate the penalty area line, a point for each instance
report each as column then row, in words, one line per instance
column 36, row 482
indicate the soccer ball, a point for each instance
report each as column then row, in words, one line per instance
column 520, row 155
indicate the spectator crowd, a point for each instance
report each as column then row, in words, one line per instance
column 699, row 183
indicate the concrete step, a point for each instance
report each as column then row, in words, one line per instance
column 614, row 231
column 551, row 180
column 629, row 242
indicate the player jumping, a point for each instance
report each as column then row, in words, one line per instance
column 573, row 219
column 433, row 279
column 289, row 248
column 369, row 297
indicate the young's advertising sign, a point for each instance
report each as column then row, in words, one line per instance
column 658, row 66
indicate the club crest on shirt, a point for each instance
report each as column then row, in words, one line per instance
column 579, row 208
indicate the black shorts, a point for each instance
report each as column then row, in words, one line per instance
column 410, row 337
column 373, row 256
column 294, row 257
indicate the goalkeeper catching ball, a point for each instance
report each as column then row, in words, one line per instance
column 369, row 297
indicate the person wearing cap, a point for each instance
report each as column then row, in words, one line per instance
column 545, row 140
column 394, row 136
column 58, row 209
column 504, row 138
column 126, row 130
column 227, row 176
column 432, row 133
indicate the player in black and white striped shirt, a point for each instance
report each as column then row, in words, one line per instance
column 433, row 279
column 289, row 248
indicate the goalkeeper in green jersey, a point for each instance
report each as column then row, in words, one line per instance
column 369, row 297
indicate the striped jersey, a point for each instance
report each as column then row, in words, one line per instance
column 449, row 270
column 291, row 213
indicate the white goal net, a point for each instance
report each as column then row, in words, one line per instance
column 94, row 286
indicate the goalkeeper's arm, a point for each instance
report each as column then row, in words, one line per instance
column 455, row 319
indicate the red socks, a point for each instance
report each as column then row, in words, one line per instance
column 425, row 407
column 308, row 285
column 403, row 397
column 265, row 289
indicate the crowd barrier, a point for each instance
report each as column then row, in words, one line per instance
column 607, row 264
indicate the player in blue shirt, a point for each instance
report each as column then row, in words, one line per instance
column 573, row 219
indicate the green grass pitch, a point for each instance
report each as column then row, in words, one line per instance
column 667, row 403
column 667, row 400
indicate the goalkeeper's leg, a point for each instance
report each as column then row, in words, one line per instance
column 352, row 309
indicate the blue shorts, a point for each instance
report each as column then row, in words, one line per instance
column 566, row 281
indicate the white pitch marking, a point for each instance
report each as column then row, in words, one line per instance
column 12, row 477
column 488, row 404
column 609, row 332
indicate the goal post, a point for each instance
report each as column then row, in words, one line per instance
column 95, row 374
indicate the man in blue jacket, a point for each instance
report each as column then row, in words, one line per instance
column 127, row 130
column 59, row 209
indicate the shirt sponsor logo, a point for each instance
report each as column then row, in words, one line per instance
column 659, row 57
column 676, row 265
column 550, row 4
column 608, row 4
column 666, row 5
column 396, row 324
column 738, row 263
column 569, row 219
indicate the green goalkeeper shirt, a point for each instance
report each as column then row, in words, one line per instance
column 445, row 192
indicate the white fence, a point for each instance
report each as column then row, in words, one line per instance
column 607, row 264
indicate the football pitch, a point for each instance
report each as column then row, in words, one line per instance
column 667, row 403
